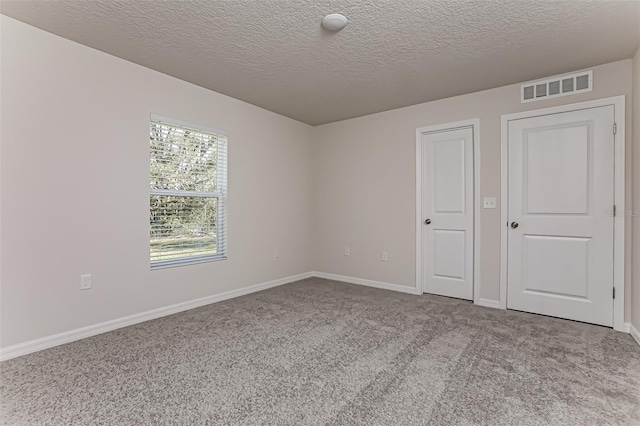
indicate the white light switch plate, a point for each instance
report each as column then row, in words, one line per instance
column 489, row 202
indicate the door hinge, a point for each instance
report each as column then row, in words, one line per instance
column 614, row 210
column 615, row 128
column 614, row 292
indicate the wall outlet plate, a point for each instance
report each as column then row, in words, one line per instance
column 489, row 202
column 347, row 251
column 85, row 282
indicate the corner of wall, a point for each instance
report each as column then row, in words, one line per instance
column 635, row 273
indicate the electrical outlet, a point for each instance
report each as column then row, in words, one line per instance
column 385, row 256
column 276, row 253
column 347, row 251
column 489, row 202
column 85, row 282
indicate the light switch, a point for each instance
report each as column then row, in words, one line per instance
column 489, row 202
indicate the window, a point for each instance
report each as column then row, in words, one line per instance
column 188, row 191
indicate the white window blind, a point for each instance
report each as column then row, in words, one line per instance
column 188, row 190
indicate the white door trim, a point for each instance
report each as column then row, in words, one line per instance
column 619, row 196
column 474, row 124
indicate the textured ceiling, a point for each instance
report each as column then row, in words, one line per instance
column 274, row 53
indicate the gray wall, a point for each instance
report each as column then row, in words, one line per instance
column 75, row 187
column 635, row 296
column 364, row 188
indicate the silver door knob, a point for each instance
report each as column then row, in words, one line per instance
column 427, row 222
column 514, row 225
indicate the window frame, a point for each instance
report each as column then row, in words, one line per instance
column 220, row 195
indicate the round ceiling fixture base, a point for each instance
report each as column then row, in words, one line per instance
column 334, row 22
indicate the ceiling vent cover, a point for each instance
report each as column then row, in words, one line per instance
column 555, row 87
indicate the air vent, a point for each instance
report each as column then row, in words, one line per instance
column 557, row 86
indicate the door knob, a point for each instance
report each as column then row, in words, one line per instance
column 514, row 225
column 427, row 222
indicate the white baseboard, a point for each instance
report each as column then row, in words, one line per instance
column 92, row 330
column 368, row 283
column 488, row 303
column 634, row 333
column 393, row 287
column 80, row 333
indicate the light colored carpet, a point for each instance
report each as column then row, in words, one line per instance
column 320, row 352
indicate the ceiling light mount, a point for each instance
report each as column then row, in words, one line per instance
column 334, row 22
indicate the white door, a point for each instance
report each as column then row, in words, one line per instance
column 561, row 192
column 447, row 213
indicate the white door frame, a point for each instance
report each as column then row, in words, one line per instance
column 619, row 196
column 474, row 124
